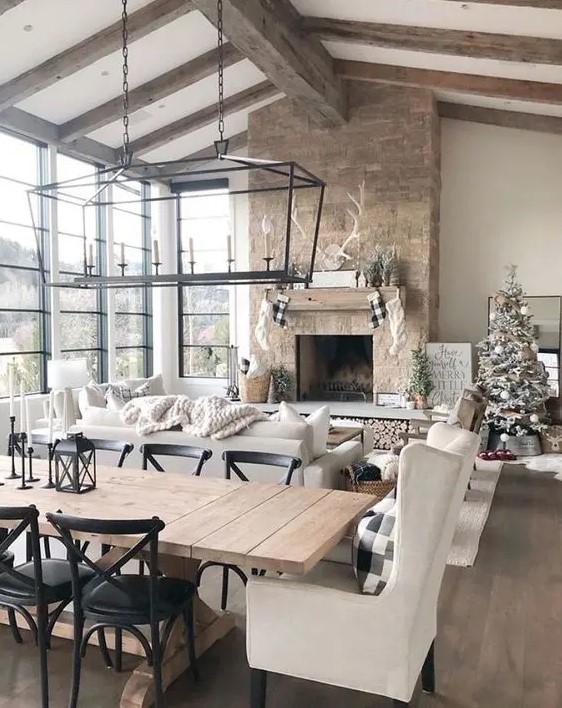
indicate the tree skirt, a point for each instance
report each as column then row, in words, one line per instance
column 474, row 513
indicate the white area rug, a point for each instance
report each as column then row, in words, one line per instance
column 474, row 513
column 543, row 463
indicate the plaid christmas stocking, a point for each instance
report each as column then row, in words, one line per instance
column 280, row 310
column 378, row 309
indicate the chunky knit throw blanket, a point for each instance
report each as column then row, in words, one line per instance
column 205, row 417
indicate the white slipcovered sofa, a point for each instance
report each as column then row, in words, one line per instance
column 265, row 436
column 320, row 627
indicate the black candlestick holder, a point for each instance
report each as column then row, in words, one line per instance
column 13, row 448
column 230, row 261
column 50, row 454
column 22, row 439
column 268, row 260
column 157, row 265
column 122, row 266
column 192, row 267
column 30, row 477
column 90, row 270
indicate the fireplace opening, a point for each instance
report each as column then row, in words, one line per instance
column 334, row 367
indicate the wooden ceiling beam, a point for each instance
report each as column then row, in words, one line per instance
column 268, row 34
column 504, row 119
column 201, row 118
column 493, row 86
column 6, row 5
column 479, row 45
column 542, row 4
column 165, row 85
column 26, row 124
column 142, row 22
column 236, row 142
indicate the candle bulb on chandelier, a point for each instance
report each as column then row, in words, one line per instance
column 191, row 256
column 229, row 248
column 156, row 251
column 122, row 252
column 90, row 254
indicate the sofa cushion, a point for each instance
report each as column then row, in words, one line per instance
column 95, row 415
column 373, row 546
column 319, row 421
column 288, row 431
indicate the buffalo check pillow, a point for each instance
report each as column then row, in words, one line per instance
column 373, row 546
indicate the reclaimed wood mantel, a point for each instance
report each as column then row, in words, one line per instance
column 333, row 299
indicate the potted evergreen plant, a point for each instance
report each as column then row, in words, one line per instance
column 281, row 384
column 420, row 384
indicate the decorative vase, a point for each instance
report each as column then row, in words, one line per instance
column 410, row 405
column 421, row 402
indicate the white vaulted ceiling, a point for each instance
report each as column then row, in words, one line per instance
column 34, row 31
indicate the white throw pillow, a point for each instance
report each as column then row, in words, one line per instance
column 92, row 395
column 319, row 421
column 156, row 384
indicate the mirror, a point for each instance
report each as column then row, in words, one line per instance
column 546, row 311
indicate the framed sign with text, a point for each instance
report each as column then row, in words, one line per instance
column 452, row 371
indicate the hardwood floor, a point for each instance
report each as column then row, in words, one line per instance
column 499, row 643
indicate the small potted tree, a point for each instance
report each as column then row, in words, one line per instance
column 281, row 384
column 420, row 384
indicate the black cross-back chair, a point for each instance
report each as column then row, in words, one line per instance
column 151, row 450
column 121, row 446
column 112, row 599
column 233, row 458
column 38, row 583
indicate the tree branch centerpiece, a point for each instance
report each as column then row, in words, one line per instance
column 420, row 384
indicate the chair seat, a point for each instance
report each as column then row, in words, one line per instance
column 127, row 598
column 56, row 578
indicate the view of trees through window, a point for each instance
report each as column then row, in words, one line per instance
column 204, row 310
column 25, row 306
column 22, row 308
column 131, row 227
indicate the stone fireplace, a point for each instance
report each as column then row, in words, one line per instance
column 391, row 145
column 334, row 367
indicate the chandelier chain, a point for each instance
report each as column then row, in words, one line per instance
column 220, row 47
column 126, row 155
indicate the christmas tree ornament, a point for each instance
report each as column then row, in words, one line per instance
column 524, row 310
column 492, row 316
column 504, row 437
column 498, row 349
column 504, row 395
column 535, row 347
column 534, row 418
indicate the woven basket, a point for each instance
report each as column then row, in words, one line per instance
column 378, row 488
column 254, row 390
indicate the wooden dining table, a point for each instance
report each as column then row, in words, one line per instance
column 272, row 527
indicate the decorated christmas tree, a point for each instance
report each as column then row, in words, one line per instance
column 515, row 380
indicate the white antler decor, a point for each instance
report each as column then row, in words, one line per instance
column 334, row 255
column 294, row 218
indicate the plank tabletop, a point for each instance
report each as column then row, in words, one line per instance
column 270, row 526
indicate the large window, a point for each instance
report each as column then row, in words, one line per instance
column 23, row 308
column 204, row 337
column 133, row 314
column 83, row 321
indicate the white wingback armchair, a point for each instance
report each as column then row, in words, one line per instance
column 320, row 627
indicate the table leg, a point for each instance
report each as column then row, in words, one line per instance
column 210, row 626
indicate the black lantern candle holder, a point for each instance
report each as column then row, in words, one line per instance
column 75, row 465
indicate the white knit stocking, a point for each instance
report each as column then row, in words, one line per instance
column 263, row 327
column 395, row 314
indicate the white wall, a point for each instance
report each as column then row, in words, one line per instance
column 501, row 203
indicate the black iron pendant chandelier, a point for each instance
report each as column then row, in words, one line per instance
column 288, row 248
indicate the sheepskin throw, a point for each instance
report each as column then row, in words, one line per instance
column 205, row 417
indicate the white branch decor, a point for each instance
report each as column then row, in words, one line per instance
column 334, row 255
